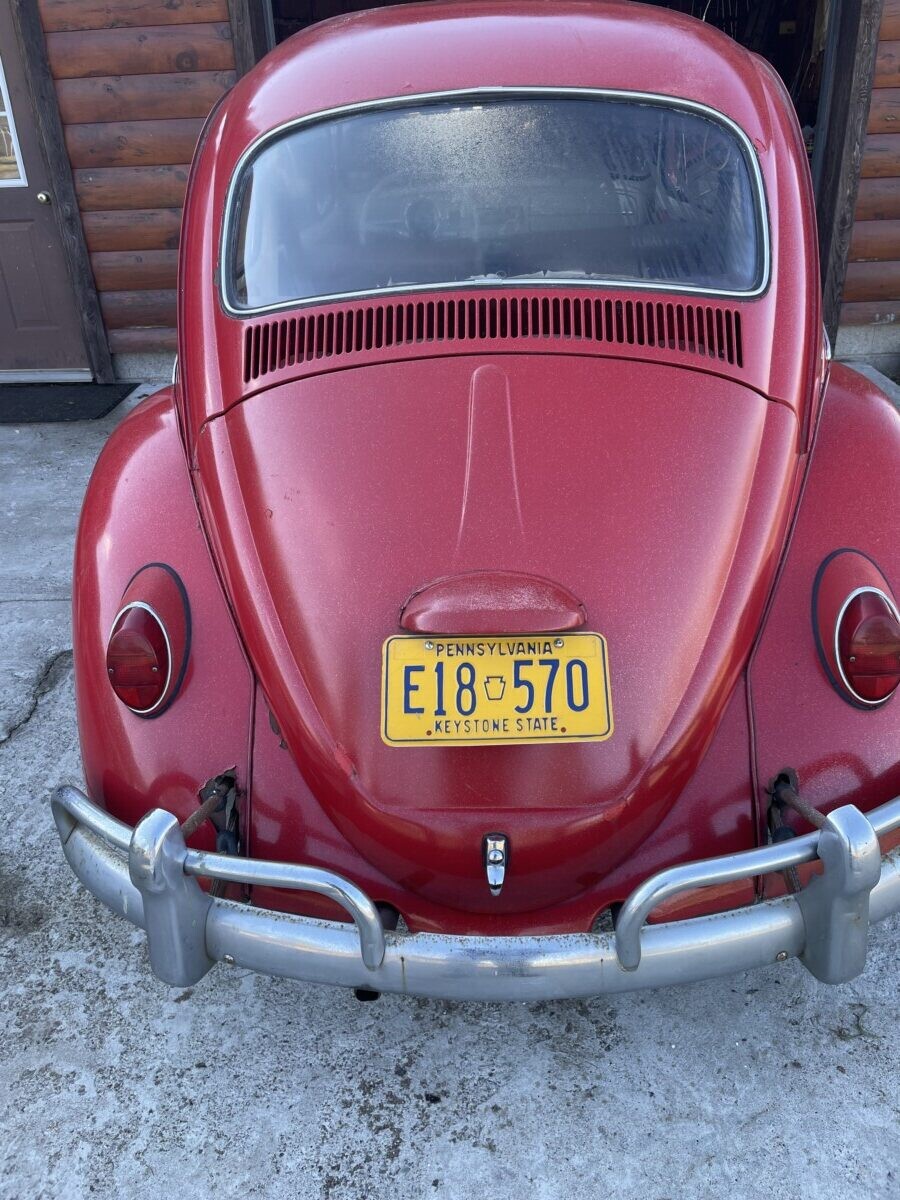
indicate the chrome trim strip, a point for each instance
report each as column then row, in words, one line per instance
column 146, row 712
column 484, row 93
column 837, row 627
column 436, row 965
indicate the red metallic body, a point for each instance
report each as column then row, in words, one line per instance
column 639, row 457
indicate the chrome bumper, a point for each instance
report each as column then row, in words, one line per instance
column 148, row 875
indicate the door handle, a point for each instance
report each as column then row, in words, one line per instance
column 43, row 198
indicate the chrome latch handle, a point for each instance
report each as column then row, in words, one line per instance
column 495, row 849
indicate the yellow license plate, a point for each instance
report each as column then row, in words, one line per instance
column 480, row 691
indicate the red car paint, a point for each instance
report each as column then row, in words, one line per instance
column 640, row 453
column 139, row 509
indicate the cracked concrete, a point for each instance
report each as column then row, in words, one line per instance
column 43, row 473
column 33, row 633
column 48, row 676
column 113, row 1085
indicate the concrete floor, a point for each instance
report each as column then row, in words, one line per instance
column 115, row 1086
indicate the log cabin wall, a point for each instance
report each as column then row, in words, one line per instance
column 870, row 314
column 135, row 80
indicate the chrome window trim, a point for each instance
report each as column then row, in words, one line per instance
column 860, row 591
column 146, row 712
column 483, row 93
column 21, row 180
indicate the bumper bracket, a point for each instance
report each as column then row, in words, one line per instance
column 835, row 904
column 175, row 906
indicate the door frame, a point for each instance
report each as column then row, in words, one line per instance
column 33, row 49
column 252, row 31
column 844, row 102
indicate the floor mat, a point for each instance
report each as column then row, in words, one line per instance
column 26, row 403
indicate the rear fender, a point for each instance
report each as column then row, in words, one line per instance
column 842, row 754
column 139, row 509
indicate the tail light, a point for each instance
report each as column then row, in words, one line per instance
column 139, row 658
column 856, row 624
column 867, row 646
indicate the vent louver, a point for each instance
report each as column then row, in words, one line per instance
column 695, row 329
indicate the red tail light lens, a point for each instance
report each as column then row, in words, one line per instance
column 867, row 646
column 138, row 659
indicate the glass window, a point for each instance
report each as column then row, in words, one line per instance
column 492, row 191
column 12, row 173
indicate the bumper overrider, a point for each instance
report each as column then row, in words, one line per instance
column 149, row 875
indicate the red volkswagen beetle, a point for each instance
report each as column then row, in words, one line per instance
column 502, row 603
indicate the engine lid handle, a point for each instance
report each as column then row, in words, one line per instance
column 491, row 602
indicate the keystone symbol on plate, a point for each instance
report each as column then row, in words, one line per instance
column 494, row 686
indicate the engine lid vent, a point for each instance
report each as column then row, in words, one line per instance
column 700, row 330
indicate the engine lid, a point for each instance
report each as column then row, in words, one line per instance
column 654, row 497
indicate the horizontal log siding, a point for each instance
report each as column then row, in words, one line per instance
column 881, row 156
column 159, row 50
column 890, row 21
column 141, row 97
column 884, row 116
column 868, row 313
column 875, row 241
column 146, row 340
column 872, row 281
column 135, row 81
column 872, row 286
column 878, row 200
column 136, row 229
column 115, row 270
column 108, row 188
column 132, row 143
column 60, row 16
column 127, row 309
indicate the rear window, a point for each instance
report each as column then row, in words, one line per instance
column 488, row 191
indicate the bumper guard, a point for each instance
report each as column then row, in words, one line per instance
column 149, row 875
